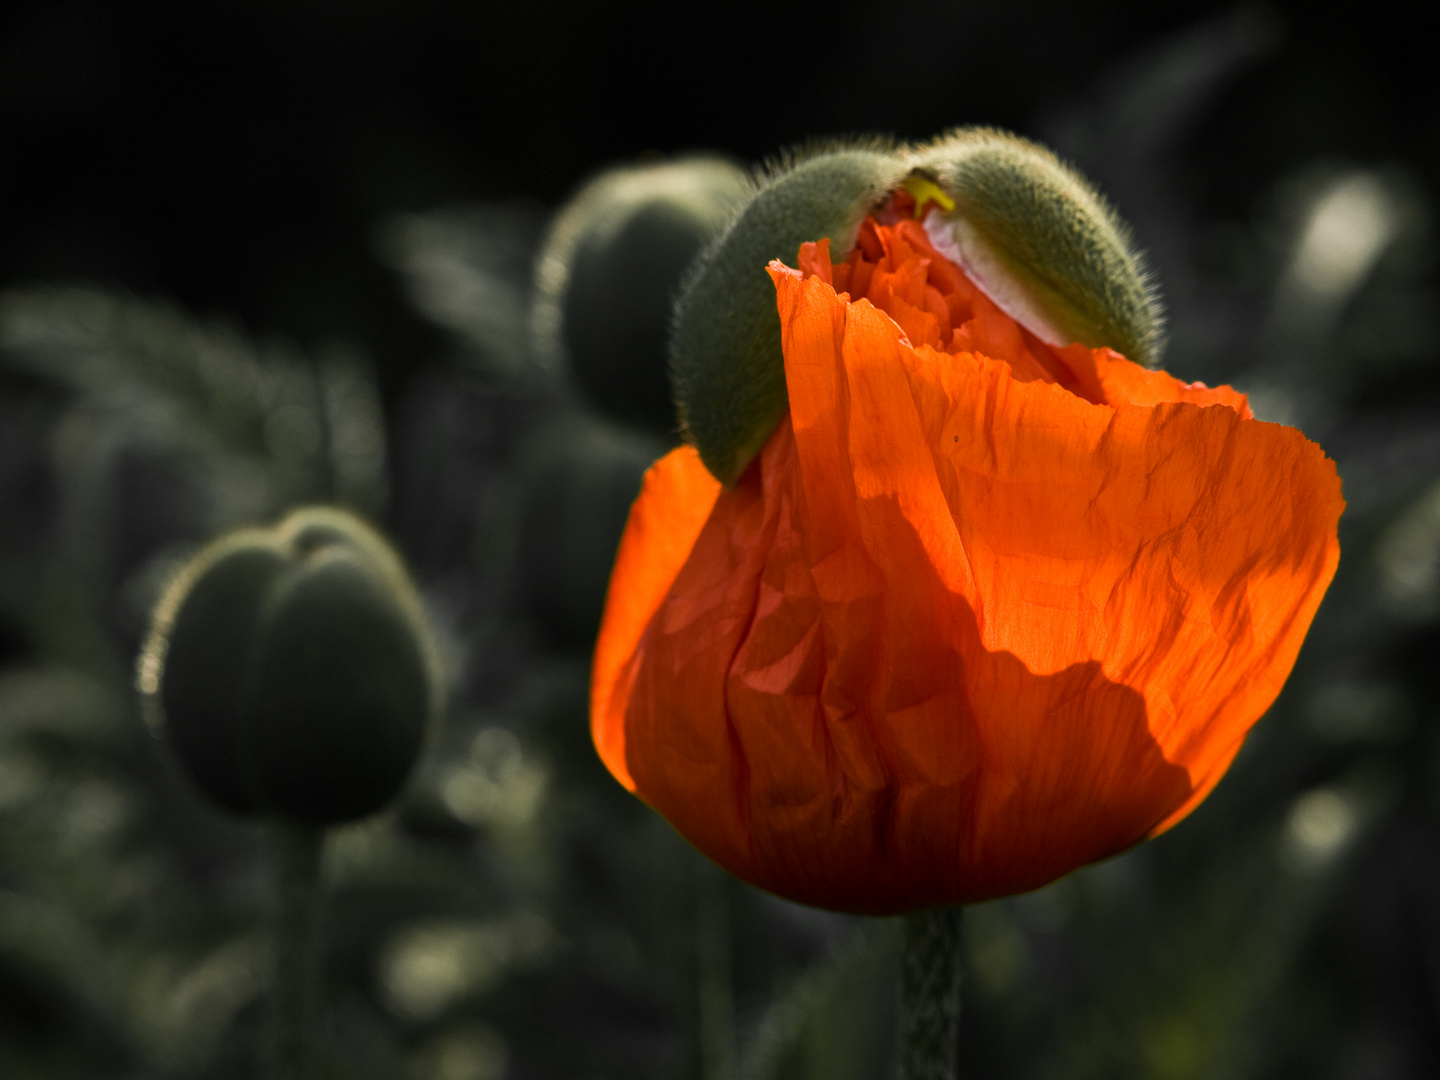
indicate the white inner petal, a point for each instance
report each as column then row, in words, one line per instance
column 960, row 242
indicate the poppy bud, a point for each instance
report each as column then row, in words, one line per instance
column 292, row 670
column 582, row 481
column 1041, row 243
column 611, row 268
column 725, row 359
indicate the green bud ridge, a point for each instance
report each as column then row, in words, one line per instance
column 726, row 367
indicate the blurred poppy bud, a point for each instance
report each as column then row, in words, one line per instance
column 292, row 671
column 612, row 266
column 582, row 479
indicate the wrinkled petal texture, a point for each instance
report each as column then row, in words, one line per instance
column 982, row 611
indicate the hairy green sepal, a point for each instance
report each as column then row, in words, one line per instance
column 726, row 367
column 1041, row 243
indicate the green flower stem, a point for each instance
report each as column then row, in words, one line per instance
column 714, row 992
column 295, row 997
column 930, row 973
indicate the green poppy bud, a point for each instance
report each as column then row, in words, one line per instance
column 1041, row 243
column 582, row 480
column 725, row 361
column 292, row 671
column 612, row 265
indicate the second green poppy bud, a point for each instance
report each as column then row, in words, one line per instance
column 607, row 279
column 292, row 671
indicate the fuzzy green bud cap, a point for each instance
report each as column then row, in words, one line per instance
column 726, row 367
column 1040, row 242
column 1027, row 229
column 292, row 671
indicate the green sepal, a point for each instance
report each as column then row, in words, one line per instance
column 1042, row 243
column 726, row 367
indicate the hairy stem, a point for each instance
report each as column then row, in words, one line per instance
column 930, row 996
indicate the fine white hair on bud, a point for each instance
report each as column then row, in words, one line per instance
column 1035, row 236
column 1028, row 230
column 726, row 367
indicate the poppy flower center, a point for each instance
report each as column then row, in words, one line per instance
column 895, row 267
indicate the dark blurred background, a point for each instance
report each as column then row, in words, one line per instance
column 240, row 157
column 256, row 254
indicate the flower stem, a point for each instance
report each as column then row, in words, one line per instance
column 930, row 996
column 295, row 998
column 714, row 993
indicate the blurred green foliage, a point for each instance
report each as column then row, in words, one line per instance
column 519, row 915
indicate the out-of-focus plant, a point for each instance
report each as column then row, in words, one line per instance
column 170, row 432
column 293, row 674
column 142, row 431
column 613, row 263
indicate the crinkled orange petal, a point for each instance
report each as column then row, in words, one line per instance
column 955, row 634
column 674, row 502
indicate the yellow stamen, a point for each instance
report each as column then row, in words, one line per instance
column 924, row 190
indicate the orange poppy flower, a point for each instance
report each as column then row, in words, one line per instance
column 981, row 612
